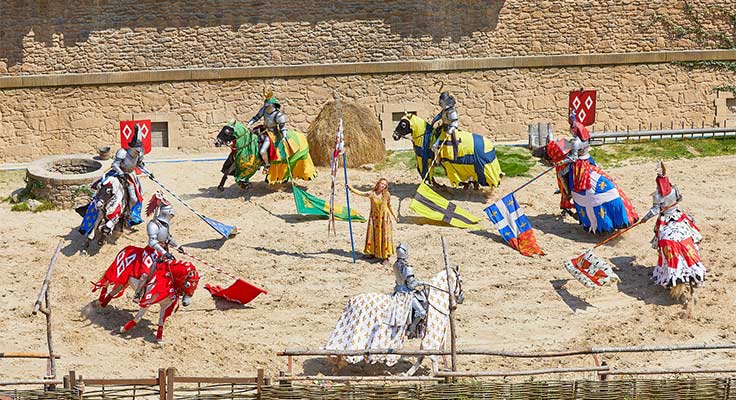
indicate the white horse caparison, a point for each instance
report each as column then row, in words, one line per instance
column 362, row 324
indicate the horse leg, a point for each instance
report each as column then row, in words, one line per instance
column 221, row 186
column 167, row 308
column 106, row 297
column 416, row 366
column 133, row 322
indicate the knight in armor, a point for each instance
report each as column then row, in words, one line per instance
column 160, row 239
column 580, row 140
column 274, row 122
column 449, row 117
column 407, row 283
column 123, row 166
column 676, row 237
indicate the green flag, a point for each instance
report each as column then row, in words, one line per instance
column 307, row 204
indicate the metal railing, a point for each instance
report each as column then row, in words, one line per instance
column 649, row 135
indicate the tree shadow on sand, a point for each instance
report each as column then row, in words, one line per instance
column 321, row 365
column 636, row 282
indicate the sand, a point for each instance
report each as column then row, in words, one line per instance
column 512, row 302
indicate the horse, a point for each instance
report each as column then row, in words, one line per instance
column 246, row 159
column 104, row 212
column 469, row 159
column 364, row 324
column 173, row 280
column 601, row 205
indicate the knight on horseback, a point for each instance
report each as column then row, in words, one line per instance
column 123, row 167
column 274, row 121
column 407, row 283
column 676, row 238
column 449, row 117
column 159, row 236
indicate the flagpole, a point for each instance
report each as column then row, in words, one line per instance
column 347, row 196
column 531, row 180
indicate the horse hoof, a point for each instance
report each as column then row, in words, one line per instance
column 122, row 330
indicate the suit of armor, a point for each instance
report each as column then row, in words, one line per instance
column 406, row 282
column 274, row 120
column 449, row 118
column 123, row 166
column 160, row 240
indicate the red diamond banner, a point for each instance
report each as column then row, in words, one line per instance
column 583, row 103
column 127, row 128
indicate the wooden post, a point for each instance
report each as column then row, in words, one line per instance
column 45, row 296
column 259, row 383
column 453, row 306
column 161, row 384
column 290, row 365
column 170, row 373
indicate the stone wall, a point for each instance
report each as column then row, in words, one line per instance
column 40, row 37
column 498, row 103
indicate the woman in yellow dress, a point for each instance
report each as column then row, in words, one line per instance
column 379, row 240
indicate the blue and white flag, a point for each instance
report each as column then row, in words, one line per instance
column 513, row 225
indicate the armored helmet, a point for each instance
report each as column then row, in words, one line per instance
column 402, row 251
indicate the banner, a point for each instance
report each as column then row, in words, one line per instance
column 430, row 204
column 127, row 128
column 308, row 204
column 513, row 225
column 583, row 103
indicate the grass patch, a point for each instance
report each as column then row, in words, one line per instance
column 12, row 176
column 20, row 207
column 515, row 161
column 614, row 155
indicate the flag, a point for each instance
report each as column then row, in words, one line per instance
column 334, row 160
column 513, row 225
column 225, row 230
column 428, row 203
column 591, row 270
column 308, row 204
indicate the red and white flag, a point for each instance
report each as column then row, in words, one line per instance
column 337, row 151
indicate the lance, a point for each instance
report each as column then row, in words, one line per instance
column 225, row 230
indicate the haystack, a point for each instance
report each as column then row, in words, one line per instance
column 363, row 139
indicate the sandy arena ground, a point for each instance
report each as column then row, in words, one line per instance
column 512, row 302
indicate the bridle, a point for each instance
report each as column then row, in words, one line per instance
column 456, row 290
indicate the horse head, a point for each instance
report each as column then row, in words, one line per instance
column 457, row 291
column 185, row 279
column 554, row 151
column 403, row 129
column 226, row 135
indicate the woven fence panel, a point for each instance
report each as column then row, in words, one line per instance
column 121, row 392
column 39, row 394
column 215, row 392
column 654, row 389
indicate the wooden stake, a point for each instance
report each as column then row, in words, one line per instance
column 47, row 279
column 161, row 384
column 453, row 306
column 170, row 373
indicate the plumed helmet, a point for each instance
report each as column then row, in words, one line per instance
column 162, row 208
column 446, row 100
column 572, row 118
column 402, row 251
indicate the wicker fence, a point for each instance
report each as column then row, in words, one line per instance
column 240, row 388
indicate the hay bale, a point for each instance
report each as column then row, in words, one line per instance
column 363, row 139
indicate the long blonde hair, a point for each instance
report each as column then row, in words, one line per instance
column 385, row 193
